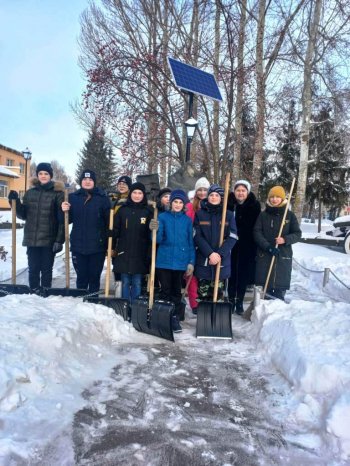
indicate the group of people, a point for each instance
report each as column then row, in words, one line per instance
column 187, row 235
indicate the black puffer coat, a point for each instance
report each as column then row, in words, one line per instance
column 244, row 252
column 265, row 231
column 133, row 235
column 41, row 209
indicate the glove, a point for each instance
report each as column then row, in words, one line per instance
column 189, row 270
column 13, row 195
column 57, row 247
column 153, row 224
column 274, row 251
column 109, row 233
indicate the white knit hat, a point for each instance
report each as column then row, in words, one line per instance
column 201, row 183
column 191, row 194
column 244, row 183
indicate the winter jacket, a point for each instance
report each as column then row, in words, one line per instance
column 175, row 241
column 244, row 251
column 131, row 228
column 89, row 213
column 41, row 208
column 266, row 231
column 207, row 225
column 190, row 211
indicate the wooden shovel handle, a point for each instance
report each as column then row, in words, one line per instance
column 153, row 262
column 13, row 274
column 109, row 253
column 222, row 231
column 279, row 234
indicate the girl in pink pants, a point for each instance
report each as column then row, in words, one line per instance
column 200, row 193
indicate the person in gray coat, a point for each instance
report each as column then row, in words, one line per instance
column 266, row 236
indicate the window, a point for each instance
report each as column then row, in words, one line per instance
column 9, row 162
column 22, row 168
column 3, row 189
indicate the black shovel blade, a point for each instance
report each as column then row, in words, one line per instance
column 66, row 292
column 120, row 306
column 156, row 322
column 214, row 320
column 13, row 289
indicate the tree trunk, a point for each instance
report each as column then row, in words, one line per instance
column 260, row 99
column 216, row 115
column 240, row 95
column 306, row 110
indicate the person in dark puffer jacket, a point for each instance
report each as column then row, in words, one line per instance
column 89, row 209
column 270, row 244
column 44, row 229
column 118, row 199
column 131, row 229
column 246, row 208
column 207, row 226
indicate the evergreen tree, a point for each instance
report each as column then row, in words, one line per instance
column 248, row 138
column 288, row 150
column 281, row 165
column 97, row 155
column 328, row 170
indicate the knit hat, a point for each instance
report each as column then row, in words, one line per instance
column 138, row 186
column 215, row 188
column 201, row 183
column 88, row 174
column 191, row 195
column 44, row 167
column 178, row 194
column 244, row 183
column 125, row 179
column 163, row 191
column 277, row 191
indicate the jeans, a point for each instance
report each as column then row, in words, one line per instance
column 131, row 286
column 170, row 287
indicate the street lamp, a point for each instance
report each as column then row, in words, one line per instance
column 191, row 125
column 27, row 156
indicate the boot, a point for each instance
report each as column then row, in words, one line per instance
column 118, row 289
column 239, row 306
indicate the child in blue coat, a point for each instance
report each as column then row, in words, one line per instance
column 175, row 254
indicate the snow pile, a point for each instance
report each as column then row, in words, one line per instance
column 309, row 344
column 309, row 266
column 51, row 349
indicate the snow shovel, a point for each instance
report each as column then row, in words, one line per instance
column 13, row 288
column 214, row 320
column 67, row 291
column 120, row 306
column 248, row 313
column 149, row 316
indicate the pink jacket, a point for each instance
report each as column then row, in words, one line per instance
column 190, row 212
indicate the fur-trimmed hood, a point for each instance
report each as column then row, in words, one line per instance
column 57, row 185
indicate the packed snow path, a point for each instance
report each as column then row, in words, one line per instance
column 192, row 403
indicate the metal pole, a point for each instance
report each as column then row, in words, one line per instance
column 189, row 140
column 25, row 176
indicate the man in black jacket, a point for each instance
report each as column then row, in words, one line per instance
column 43, row 230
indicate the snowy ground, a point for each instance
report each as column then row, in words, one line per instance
column 78, row 385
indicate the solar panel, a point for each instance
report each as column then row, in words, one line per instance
column 194, row 80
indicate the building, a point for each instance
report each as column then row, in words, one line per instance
column 13, row 168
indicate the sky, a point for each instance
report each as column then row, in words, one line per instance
column 40, row 77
